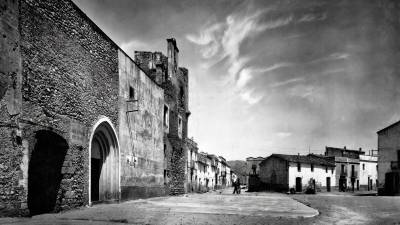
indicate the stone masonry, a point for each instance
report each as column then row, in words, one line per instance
column 174, row 80
column 63, row 84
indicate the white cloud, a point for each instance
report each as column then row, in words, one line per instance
column 286, row 82
column 276, row 23
column 244, row 76
column 333, row 56
column 222, row 40
column 284, row 134
column 134, row 45
column 206, row 35
column 250, row 97
column 276, row 66
column 309, row 92
column 312, row 17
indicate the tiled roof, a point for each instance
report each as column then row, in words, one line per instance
column 308, row 159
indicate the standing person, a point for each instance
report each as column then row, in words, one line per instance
column 235, row 190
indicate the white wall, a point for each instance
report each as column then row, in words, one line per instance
column 319, row 175
column 370, row 170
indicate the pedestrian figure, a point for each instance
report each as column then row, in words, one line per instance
column 235, row 187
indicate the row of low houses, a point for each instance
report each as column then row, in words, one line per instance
column 206, row 171
column 339, row 169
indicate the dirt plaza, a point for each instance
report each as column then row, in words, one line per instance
column 221, row 207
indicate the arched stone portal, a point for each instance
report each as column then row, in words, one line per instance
column 104, row 163
column 44, row 173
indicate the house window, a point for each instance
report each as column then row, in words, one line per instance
column 165, row 150
column 326, row 169
column 298, row 167
column 131, row 93
column 312, row 167
column 166, row 118
column 363, row 166
column 180, row 126
column 332, row 171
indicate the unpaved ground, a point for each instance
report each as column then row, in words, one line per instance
column 225, row 208
column 348, row 209
column 211, row 208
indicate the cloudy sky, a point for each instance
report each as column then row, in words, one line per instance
column 273, row 76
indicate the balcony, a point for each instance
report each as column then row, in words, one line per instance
column 354, row 174
column 394, row 165
column 191, row 164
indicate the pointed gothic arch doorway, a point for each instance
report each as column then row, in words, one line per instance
column 104, row 178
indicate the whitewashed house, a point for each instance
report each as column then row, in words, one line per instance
column 368, row 171
column 283, row 172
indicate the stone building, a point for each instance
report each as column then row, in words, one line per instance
column 347, row 167
column 282, row 172
column 166, row 72
column 222, row 175
column 80, row 122
column 252, row 173
column 213, row 171
column 202, row 173
column 389, row 160
column 192, row 164
column 253, row 165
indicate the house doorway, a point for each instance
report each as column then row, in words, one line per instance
column 44, row 172
column 104, row 164
column 298, row 184
column 392, row 181
column 328, row 184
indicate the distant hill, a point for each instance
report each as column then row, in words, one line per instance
column 238, row 166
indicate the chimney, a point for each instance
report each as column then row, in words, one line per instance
column 360, row 149
column 344, row 147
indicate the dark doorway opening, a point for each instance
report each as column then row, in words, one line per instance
column 392, row 183
column 99, row 152
column 104, row 167
column 298, row 184
column 44, row 172
column 328, row 184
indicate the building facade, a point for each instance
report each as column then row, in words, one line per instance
column 192, row 165
column 280, row 172
column 369, row 171
column 80, row 121
column 253, row 165
column 166, row 72
column 347, row 167
column 389, row 160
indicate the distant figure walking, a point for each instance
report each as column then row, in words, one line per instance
column 236, row 186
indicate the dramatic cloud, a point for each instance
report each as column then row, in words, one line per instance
column 272, row 76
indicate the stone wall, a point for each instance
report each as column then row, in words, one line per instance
column 176, row 95
column 141, row 132
column 12, row 192
column 388, row 145
column 69, row 81
column 274, row 173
